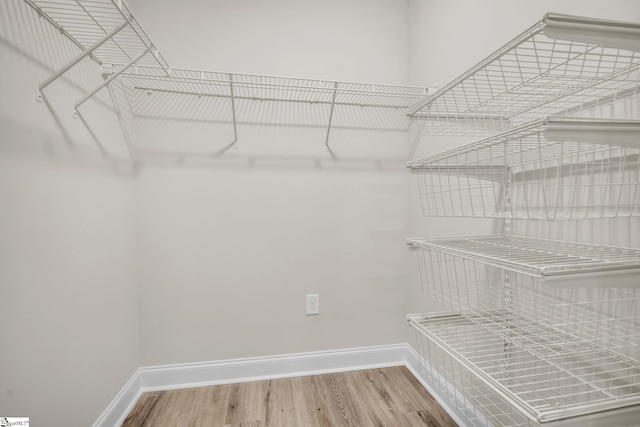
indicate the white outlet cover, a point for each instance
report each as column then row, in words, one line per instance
column 313, row 304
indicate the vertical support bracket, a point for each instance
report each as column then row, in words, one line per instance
column 86, row 52
column 333, row 103
column 106, row 82
column 233, row 112
column 506, row 274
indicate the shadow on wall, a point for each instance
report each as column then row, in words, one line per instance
column 122, row 124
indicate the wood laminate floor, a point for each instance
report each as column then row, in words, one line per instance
column 389, row 397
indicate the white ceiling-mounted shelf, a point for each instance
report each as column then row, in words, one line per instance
column 558, row 262
column 555, row 169
column 561, row 65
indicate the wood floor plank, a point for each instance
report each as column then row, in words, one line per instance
column 308, row 406
column 374, row 396
column 142, row 409
column 246, row 402
column 279, row 405
column 368, row 398
column 338, row 405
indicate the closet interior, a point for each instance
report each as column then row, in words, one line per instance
column 538, row 331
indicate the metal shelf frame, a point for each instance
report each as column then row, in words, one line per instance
column 562, row 263
column 557, row 168
column 542, row 372
column 598, row 305
column 263, row 88
column 107, row 33
column 561, row 65
column 541, row 332
column 104, row 30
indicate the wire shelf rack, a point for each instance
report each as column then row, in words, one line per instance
column 466, row 393
column 124, row 66
column 561, row 65
column 591, row 309
column 555, row 169
column 549, row 260
column 86, row 22
column 270, row 88
column 507, row 370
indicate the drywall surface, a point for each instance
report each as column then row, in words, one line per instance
column 69, row 332
column 346, row 40
column 446, row 39
column 231, row 240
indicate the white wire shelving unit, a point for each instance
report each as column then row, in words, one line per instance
column 270, row 88
column 555, row 262
column 106, row 33
column 561, row 341
column 562, row 65
column 536, row 331
column 139, row 82
column 588, row 291
column 556, row 169
column 524, row 373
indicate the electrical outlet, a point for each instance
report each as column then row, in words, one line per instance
column 313, row 304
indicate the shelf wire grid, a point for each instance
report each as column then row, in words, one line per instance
column 84, row 22
column 530, row 77
column 539, row 373
column 480, row 405
column 548, row 180
column 536, row 257
column 606, row 317
column 207, row 107
column 271, row 88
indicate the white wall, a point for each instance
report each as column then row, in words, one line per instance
column 228, row 250
column 69, row 333
column 352, row 40
column 449, row 37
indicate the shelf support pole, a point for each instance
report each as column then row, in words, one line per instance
column 233, row 112
column 109, row 80
column 88, row 51
column 333, row 103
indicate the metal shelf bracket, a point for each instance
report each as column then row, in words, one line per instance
column 86, row 52
column 109, row 80
column 233, row 112
column 333, row 103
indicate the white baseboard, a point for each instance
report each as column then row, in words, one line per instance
column 270, row 367
column 122, row 404
column 294, row 365
column 263, row 368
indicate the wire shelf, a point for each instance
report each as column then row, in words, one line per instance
column 515, row 371
column 600, row 314
column 556, row 169
column 466, row 393
column 542, row 258
column 85, row 22
column 213, row 110
column 271, row 88
column 561, row 65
